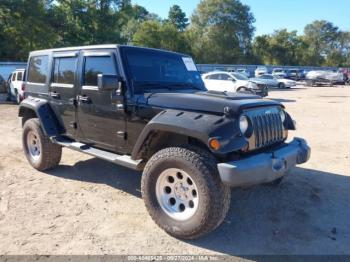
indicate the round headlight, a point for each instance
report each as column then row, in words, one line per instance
column 243, row 124
column 282, row 115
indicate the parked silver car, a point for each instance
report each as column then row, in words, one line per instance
column 275, row 81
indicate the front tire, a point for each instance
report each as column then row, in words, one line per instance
column 281, row 85
column 243, row 89
column 41, row 153
column 183, row 193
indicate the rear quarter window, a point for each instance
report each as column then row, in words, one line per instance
column 64, row 70
column 38, row 69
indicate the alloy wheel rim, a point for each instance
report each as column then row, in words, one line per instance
column 177, row 194
column 34, row 146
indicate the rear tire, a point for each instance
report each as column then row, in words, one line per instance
column 183, row 193
column 41, row 153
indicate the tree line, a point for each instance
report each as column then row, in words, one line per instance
column 218, row 31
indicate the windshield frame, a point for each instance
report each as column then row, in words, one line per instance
column 156, row 85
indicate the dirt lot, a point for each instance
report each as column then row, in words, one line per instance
column 88, row 206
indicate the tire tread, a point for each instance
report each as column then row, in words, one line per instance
column 203, row 161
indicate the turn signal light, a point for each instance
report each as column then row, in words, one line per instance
column 214, row 144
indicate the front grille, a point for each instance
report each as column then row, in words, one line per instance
column 268, row 129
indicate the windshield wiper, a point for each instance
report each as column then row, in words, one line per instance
column 154, row 85
column 184, row 85
column 169, row 86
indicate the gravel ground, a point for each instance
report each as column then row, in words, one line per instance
column 88, row 206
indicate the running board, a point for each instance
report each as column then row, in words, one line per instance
column 123, row 160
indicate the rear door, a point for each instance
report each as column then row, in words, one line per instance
column 101, row 118
column 63, row 89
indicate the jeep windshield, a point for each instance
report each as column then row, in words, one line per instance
column 150, row 69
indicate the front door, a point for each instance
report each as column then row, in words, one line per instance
column 101, row 117
column 63, row 89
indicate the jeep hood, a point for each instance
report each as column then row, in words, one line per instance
column 208, row 101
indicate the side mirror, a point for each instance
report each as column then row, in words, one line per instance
column 231, row 79
column 109, row 83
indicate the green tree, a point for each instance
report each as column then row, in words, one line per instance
column 177, row 17
column 261, row 49
column 221, row 31
column 82, row 22
column 24, row 28
column 321, row 37
column 148, row 34
column 280, row 48
column 152, row 33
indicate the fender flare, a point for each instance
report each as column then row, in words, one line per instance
column 44, row 113
column 200, row 126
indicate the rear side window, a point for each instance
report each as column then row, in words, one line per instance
column 64, row 70
column 95, row 65
column 19, row 76
column 38, row 68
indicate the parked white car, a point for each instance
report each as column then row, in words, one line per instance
column 275, row 81
column 261, row 70
column 16, row 85
column 233, row 82
column 279, row 72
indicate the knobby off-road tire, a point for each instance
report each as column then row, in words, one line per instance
column 41, row 153
column 185, row 174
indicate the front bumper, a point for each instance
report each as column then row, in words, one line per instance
column 264, row 167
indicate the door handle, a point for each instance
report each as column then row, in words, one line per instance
column 55, row 95
column 84, row 99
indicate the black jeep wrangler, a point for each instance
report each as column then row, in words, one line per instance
column 149, row 110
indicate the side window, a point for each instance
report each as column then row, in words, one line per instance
column 38, row 68
column 64, row 70
column 19, row 76
column 95, row 65
column 13, row 77
column 224, row 77
column 213, row 77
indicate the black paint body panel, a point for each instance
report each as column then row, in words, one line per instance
column 122, row 124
